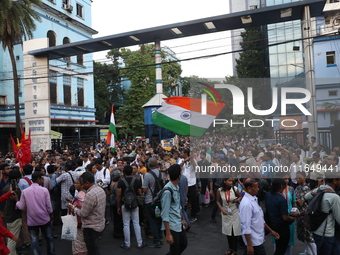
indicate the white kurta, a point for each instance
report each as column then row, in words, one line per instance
column 230, row 221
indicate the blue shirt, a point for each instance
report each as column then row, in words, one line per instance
column 171, row 208
column 23, row 184
column 267, row 169
column 277, row 206
column 252, row 220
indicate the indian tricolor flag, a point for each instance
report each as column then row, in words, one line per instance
column 112, row 134
column 183, row 115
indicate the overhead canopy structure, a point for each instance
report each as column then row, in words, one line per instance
column 255, row 17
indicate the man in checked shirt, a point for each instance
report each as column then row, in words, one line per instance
column 92, row 212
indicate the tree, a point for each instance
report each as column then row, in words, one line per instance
column 251, row 65
column 108, row 89
column 17, row 21
column 140, row 70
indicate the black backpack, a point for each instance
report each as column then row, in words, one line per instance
column 314, row 216
column 156, row 202
column 158, row 184
column 130, row 196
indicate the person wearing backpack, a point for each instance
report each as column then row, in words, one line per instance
column 127, row 205
column 151, row 186
column 174, row 223
column 324, row 234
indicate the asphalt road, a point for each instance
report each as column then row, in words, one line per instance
column 204, row 237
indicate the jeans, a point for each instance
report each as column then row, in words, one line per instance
column 15, row 228
column 180, row 243
column 258, row 250
column 34, row 235
column 155, row 224
column 215, row 206
column 134, row 216
column 91, row 238
column 117, row 223
column 326, row 245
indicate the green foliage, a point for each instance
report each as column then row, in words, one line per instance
column 251, row 61
column 140, row 70
column 107, row 85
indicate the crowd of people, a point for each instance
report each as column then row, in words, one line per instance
column 92, row 182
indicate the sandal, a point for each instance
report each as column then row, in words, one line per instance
column 230, row 252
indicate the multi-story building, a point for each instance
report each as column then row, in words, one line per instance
column 69, row 81
column 326, row 62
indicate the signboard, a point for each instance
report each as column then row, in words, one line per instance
column 37, row 96
column 103, row 134
column 167, row 143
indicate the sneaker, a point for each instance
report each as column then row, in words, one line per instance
column 142, row 245
column 123, row 246
column 193, row 220
column 153, row 245
column 213, row 220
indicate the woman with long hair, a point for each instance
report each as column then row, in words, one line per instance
column 231, row 225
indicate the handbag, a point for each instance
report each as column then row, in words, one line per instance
column 69, row 229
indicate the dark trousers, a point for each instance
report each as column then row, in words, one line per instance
column 326, row 245
column 34, row 236
column 180, row 243
column 117, row 223
column 91, row 238
column 155, row 224
column 232, row 241
column 215, row 207
column 193, row 200
column 282, row 243
column 258, row 250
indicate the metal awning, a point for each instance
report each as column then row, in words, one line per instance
column 255, row 17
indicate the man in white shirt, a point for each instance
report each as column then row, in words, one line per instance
column 102, row 176
column 252, row 220
column 188, row 169
column 86, row 160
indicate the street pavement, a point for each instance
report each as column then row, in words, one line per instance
column 204, row 237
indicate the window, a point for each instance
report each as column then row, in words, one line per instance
column 80, row 60
column 330, row 57
column 53, row 93
column 67, row 95
column 80, row 92
column 332, row 93
column 333, row 117
column 67, row 40
column 52, row 40
column 53, row 87
column 80, row 11
column 334, row 1
column 67, row 2
column 3, row 100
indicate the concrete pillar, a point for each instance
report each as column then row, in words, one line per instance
column 307, row 32
column 158, row 61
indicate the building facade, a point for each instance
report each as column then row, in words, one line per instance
column 68, row 81
column 327, row 64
